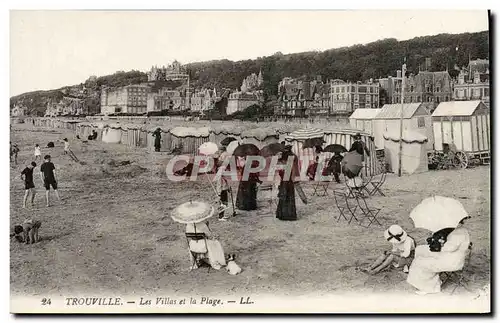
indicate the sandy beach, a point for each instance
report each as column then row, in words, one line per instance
column 113, row 232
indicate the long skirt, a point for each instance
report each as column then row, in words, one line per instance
column 246, row 199
column 286, row 210
column 214, row 250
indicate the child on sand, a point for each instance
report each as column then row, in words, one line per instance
column 402, row 253
column 29, row 184
column 38, row 153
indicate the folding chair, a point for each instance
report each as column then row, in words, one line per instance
column 355, row 191
column 458, row 276
column 376, row 182
column 321, row 188
column 345, row 206
column 197, row 256
column 369, row 213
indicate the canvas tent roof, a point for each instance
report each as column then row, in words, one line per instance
column 393, row 111
column 408, row 136
column 365, row 113
column 456, row 108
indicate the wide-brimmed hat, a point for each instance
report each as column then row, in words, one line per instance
column 357, row 136
column 395, row 234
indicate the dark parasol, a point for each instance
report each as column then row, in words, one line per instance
column 246, row 150
column 335, row 148
column 313, row 142
column 272, row 149
column 226, row 141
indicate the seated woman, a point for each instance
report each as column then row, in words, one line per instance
column 401, row 255
column 425, row 269
column 311, row 170
column 334, row 167
column 212, row 247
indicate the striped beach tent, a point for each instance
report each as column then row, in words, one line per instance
column 297, row 138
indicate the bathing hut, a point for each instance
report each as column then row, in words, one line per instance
column 364, row 120
column 464, row 123
column 416, row 118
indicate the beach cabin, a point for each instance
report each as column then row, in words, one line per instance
column 414, row 153
column 464, row 123
column 416, row 118
column 364, row 120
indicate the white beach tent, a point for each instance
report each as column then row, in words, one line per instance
column 414, row 153
column 464, row 123
column 364, row 120
column 415, row 118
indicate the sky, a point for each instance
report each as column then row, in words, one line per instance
column 51, row 49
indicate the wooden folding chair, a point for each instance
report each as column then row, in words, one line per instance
column 197, row 256
column 345, row 206
column 458, row 276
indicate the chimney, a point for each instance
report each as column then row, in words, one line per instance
column 398, row 73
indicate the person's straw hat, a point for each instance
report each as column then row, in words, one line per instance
column 395, row 234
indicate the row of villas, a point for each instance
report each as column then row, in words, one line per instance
column 338, row 97
column 143, row 98
column 140, row 99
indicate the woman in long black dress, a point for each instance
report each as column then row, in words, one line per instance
column 157, row 135
column 286, row 210
column 246, row 199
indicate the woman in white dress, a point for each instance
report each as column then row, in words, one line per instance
column 425, row 269
column 213, row 247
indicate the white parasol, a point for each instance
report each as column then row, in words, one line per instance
column 208, row 148
column 232, row 146
column 438, row 212
column 192, row 212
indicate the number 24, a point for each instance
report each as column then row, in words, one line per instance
column 46, row 301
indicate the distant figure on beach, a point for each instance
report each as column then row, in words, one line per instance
column 14, row 150
column 157, row 135
column 38, row 152
column 49, row 178
column 29, row 184
column 68, row 151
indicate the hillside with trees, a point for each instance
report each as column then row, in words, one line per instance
column 353, row 63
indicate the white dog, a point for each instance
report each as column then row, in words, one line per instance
column 232, row 267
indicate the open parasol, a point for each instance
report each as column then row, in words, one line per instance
column 313, row 142
column 352, row 163
column 272, row 149
column 246, row 150
column 226, row 141
column 438, row 212
column 208, row 148
column 335, row 148
column 232, row 146
column 192, row 212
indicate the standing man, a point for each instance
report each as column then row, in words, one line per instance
column 48, row 176
column 29, row 185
